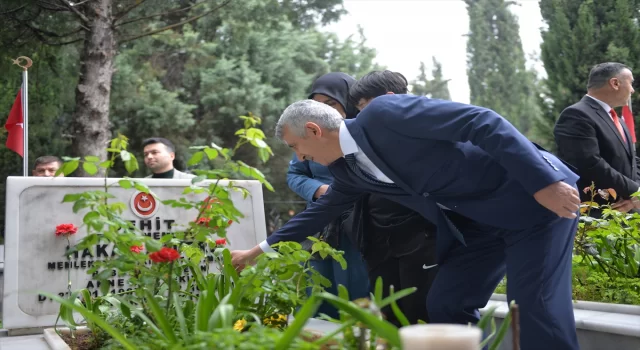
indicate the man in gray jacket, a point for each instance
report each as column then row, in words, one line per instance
column 159, row 154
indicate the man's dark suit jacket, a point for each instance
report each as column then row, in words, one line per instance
column 466, row 158
column 588, row 139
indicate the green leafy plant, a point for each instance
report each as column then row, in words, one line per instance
column 216, row 307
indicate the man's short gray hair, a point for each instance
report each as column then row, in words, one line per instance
column 301, row 112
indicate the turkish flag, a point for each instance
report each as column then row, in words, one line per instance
column 628, row 120
column 15, row 125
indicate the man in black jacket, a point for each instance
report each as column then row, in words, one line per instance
column 591, row 137
column 397, row 243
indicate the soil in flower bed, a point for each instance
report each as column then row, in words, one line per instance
column 83, row 341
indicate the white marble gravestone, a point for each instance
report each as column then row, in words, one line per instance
column 34, row 256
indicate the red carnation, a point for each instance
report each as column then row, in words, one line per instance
column 221, row 241
column 164, row 255
column 136, row 248
column 203, row 221
column 66, row 230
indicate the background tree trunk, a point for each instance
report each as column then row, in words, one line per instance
column 90, row 124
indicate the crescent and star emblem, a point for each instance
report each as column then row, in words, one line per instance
column 143, row 205
column 144, row 199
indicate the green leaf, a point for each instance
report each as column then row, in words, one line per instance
column 211, row 153
column 126, row 312
column 198, row 179
column 204, row 307
column 69, row 167
column 87, row 314
column 141, row 314
column 377, row 294
column 302, row 316
column 105, row 164
column 92, row 159
column 385, row 329
column 222, row 317
column 66, row 313
column 397, row 312
column 90, row 217
column 502, row 332
column 160, row 317
column 72, row 197
column 125, row 155
column 195, row 158
column 131, row 165
column 126, row 184
column 259, row 143
column 141, row 187
column 153, row 245
column 177, row 306
column 90, row 168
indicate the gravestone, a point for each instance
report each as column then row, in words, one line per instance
column 34, row 257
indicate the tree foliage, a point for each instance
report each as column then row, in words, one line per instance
column 498, row 77
column 579, row 35
column 434, row 87
column 188, row 83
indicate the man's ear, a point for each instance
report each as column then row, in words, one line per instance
column 172, row 155
column 313, row 129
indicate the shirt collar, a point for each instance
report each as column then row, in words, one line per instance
column 347, row 144
column 606, row 107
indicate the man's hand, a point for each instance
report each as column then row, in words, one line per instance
column 626, row 204
column 320, row 191
column 560, row 198
column 241, row 258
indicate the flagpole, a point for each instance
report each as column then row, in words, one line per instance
column 25, row 111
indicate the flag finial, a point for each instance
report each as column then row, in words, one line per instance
column 27, row 62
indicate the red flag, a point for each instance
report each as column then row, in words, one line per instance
column 628, row 120
column 14, row 126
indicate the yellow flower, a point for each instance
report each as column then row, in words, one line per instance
column 278, row 320
column 239, row 325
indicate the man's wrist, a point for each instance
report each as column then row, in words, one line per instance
column 265, row 247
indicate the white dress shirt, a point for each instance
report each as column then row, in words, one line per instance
column 606, row 107
column 349, row 146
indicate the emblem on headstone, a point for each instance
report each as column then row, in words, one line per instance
column 144, row 205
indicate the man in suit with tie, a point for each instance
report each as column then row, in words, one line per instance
column 591, row 137
column 500, row 204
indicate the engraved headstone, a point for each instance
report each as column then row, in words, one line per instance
column 34, row 256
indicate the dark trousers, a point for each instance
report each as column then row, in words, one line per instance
column 537, row 261
column 403, row 260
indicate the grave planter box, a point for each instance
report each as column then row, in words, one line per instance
column 317, row 328
column 55, row 341
column 599, row 325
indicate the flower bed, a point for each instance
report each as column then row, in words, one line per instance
column 215, row 308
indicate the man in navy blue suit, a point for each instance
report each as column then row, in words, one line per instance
column 500, row 204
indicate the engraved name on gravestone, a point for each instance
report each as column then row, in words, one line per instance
column 35, row 260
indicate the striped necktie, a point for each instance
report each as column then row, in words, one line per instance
column 351, row 161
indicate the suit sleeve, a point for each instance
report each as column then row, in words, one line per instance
column 318, row 214
column 300, row 181
column 577, row 142
column 429, row 119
